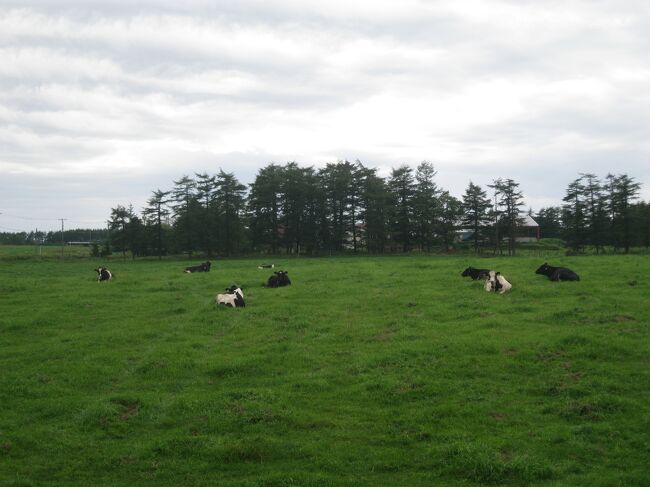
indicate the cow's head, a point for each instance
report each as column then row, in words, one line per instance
column 467, row 272
column 543, row 269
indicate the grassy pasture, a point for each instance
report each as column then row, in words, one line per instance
column 367, row 371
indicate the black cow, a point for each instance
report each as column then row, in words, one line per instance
column 103, row 274
column 557, row 273
column 278, row 279
column 203, row 267
column 476, row 273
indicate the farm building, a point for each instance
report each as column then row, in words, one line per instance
column 528, row 231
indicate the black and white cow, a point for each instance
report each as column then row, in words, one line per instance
column 103, row 274
column 495, row 282
column 278, row 279
column 557, row 273
column 233, row 296
column 266, row 266
column 475, row 273
column 203, row 267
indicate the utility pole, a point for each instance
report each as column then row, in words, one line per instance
column 62, row 247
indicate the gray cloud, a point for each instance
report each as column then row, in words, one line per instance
column 135, row 94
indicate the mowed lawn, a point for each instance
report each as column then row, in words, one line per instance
column 366, row 371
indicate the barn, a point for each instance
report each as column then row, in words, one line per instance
column 528, row 231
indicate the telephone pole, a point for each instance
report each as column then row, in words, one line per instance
column 62, row 247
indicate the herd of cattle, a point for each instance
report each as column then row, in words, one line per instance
column 494, row 281
column 233, row 295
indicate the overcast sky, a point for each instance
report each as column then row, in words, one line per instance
column 103, row 102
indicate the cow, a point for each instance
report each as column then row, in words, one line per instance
column 233, row 296
column 103, row 274
column 497, row 283
column 475, row 273
column 203, row 267
column 278, row 279
column 266, row 266
column 557, row 273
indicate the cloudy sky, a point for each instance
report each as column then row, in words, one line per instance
column 103, row 102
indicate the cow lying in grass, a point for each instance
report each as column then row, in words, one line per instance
column 203, row 267
column 233, row 296
column 266, row 266
column 475, row 273
column 557, row 273
column 497, row 283
column 103, row 274
column 278, row 279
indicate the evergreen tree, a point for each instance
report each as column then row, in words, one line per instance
column 264, row 202
column 154, row 213
column 230, row 198
column 376, row 203
column 126, row 231
column 340, row 183
column 402, row 187
column 595, row 209
column 208, row 213
column 622, row 190
column 550, row 222
column 117, row 228
column 295, row 199
column 573, row 214
column 641, row 223
column 510, row 203
column 450, row 213
column 425, row 205
column 475, row 212
column 186, row 211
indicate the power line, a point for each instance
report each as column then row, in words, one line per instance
column 48, row 219
column 12, row 229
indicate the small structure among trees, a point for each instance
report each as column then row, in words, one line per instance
column 528, row 230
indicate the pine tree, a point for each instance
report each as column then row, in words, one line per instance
column 376, row 205
column 550, row 222
column 425, row 205
column 402, row 187
column 574, row 214
column 622, row 190
column 447, row 224
column 594, row 209
column 154, row 213
column 264, row 210
column 117, row 228
column 510, row 201
column 208, row 213
column 475, row 212
column 230, row 199
column 186, row 211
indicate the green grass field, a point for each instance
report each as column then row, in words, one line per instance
column 387, row 371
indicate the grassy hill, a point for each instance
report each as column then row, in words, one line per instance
column 366, row 371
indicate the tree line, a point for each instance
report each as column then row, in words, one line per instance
column 599, row 214
column 38, row 237
column 349, row 207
